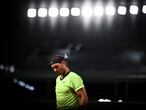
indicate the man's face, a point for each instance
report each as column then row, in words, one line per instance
column 58, row 68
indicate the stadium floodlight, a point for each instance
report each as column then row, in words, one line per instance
column 12, row 69
column 42, row 12
column 87, row 11
column 75, row 11
column 64, row 12
column 53, row 12
column 122, row 10
column 98, row 11
column 31, row 12
column 110, row 10
column 134, row 9
column 144, row 9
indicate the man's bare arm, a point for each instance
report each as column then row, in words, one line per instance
column 83, row 96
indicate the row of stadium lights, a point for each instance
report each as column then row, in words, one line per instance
column 11, row 69
column 7, row 68
column 85, row 11
column 23, row 84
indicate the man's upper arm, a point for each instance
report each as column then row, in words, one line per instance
column 83, row 96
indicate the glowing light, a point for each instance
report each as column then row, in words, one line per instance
column 31, row 12
column 120, row 100
column 42, row 12
column 53, row 12
column 104, row 100
column 144, row 9
column 1, row 67
column 64, row 12
column 23, row 84
column 134, row 9
column 75, row 11
column 12, row 68
column 122, row 10
column 110, row 10
column 98, row 11
column 87, row 11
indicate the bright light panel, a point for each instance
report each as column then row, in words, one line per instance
column 122, row 10
column 31, row 12
column 64, row 12
column 53, row 12
column 75, row 11
column 98, row 11
column 87, row 11
column 144, row 9
column 110, row 10
column 42, row 12
column 134, row 9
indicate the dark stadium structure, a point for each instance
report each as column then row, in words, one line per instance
column 110, row 57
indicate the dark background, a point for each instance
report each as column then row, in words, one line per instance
column 109, row 57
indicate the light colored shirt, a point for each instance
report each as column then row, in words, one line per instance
column 66, row 88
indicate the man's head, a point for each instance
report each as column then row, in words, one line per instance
column 59, row 64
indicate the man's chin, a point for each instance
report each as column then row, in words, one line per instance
column 58, row 74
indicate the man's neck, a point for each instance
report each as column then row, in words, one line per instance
column 64, row 75
column 66, row 71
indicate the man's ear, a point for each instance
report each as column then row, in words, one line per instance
column 64, row 62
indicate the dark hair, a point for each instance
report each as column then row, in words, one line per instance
column 57, row 59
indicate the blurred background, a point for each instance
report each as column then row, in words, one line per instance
column 104, row 40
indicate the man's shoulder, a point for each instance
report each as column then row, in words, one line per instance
column 74, row 75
